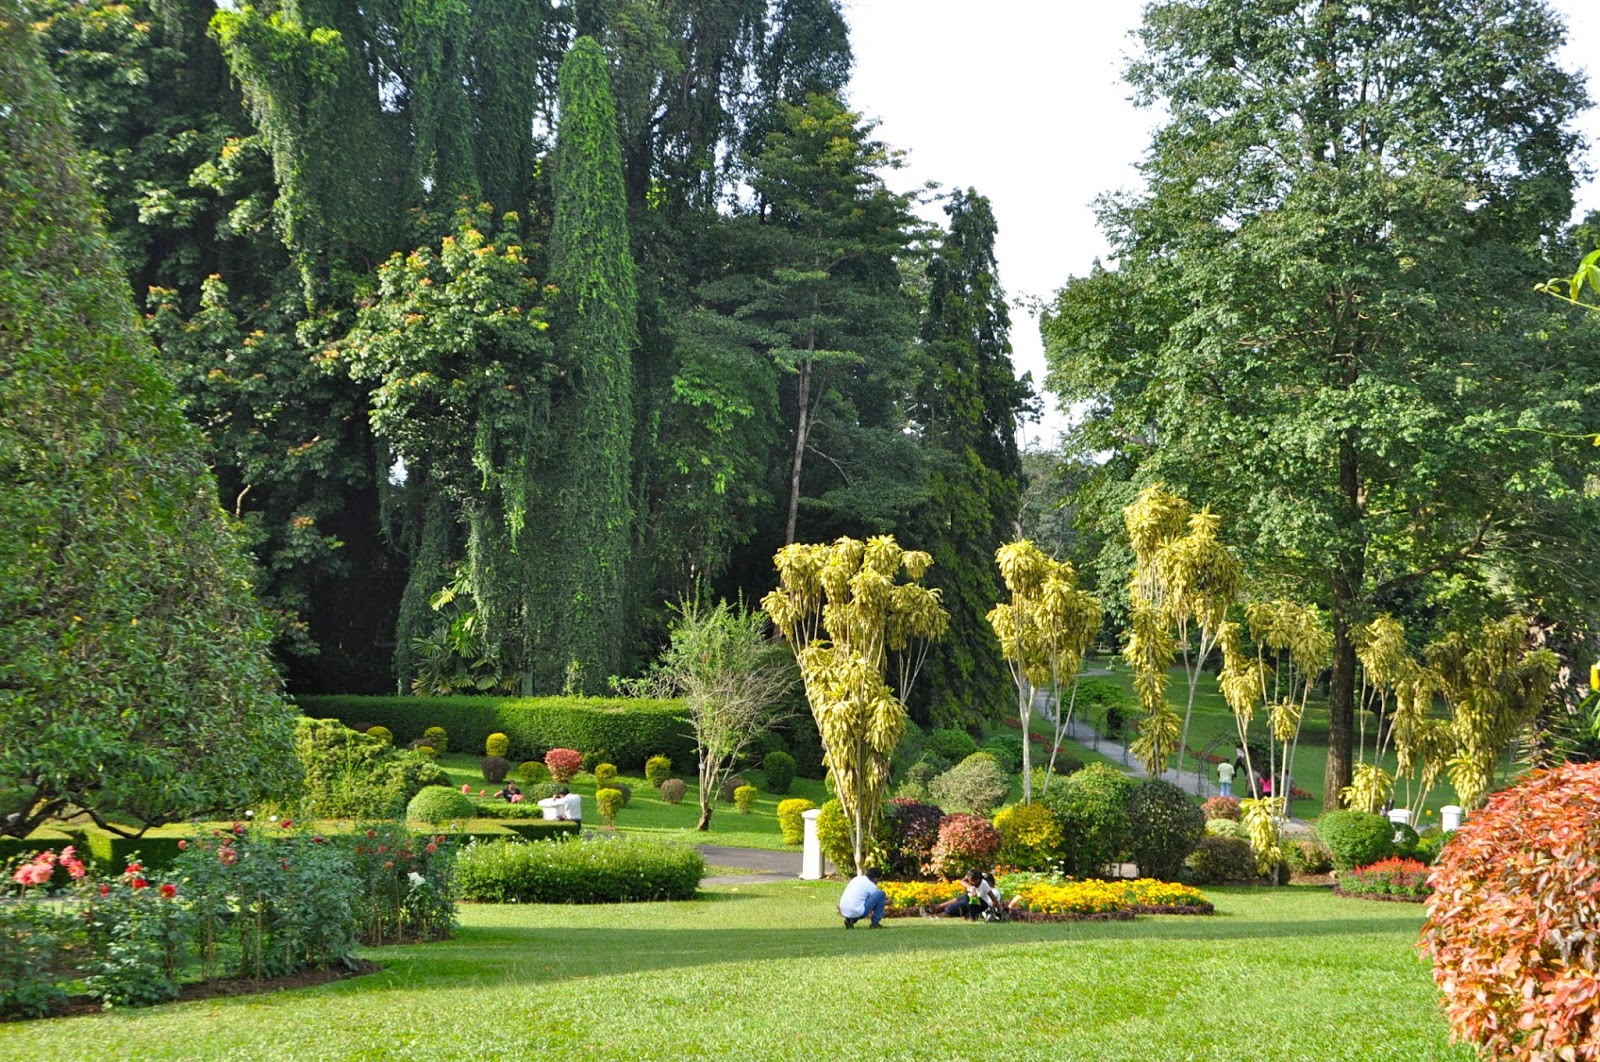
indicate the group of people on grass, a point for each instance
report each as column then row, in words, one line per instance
column 863, row 898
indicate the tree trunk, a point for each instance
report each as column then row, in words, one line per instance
column 1348, row 575
column 705, row 815
column 802, row 432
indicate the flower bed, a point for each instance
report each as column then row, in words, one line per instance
column 1049, row 898
column 1394, row 879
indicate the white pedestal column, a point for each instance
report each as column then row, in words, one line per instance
column 811, row 859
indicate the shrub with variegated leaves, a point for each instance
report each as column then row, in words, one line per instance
column 966, row 842
column 1030, row 836
column 1511, row 922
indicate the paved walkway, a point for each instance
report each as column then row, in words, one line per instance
column 762, row 865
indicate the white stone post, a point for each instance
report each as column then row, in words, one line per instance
column 1450, row 817
column 1400, row 816
column 811, row 860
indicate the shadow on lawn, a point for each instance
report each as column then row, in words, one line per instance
column 554, row 953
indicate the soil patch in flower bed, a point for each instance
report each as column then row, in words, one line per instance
column 1386, row 897
column 80, row 1005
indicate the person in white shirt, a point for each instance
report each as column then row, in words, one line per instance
column 574, row 806
column 565, row 805
column 1225, row 778
column 862, row 898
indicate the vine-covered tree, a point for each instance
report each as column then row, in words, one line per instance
column 966, row 406
column 1323, row 321
column 588, row 492
column 135, row 681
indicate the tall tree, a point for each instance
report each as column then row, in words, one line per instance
column 135, row 681
column 1271, row 341
column 593, row 311
column 965, row 408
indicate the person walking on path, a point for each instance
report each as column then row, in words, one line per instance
column 863, row 898
column 1225, row 778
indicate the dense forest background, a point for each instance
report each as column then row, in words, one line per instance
column 510, row 323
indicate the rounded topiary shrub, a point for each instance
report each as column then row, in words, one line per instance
column 609, row 801
column 1222, row 807
column 966, row 842
column 1007, row 748
column 672, row 790
column 1030, row 837
column 1221, row 861
column 791, row 820
column 605, row 775
column 657, row 769
column 1356, row 838
column 1511, row 922
column 1164, row 827
column 532, row 772
column 744, row 798
column 977, row 785
column 950, row 744
column 497, row 745
column 605, row 869
column 907, row 833
column 437, row 738
column 382, row 733
column 833, row 834
column 564, row 764
column 1092, row 808
column 1227, row 828
column 440, row 803
column 626, row 791
column 495, row 769
column 779, row 768
column 729, row 784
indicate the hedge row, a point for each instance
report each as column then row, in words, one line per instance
column 627, row 731
column 601, row 869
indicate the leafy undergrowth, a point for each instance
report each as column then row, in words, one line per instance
column 1280, row 974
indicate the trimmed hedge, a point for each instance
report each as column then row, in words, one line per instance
column 630, row 730
column 543, row 829
column 600, row 870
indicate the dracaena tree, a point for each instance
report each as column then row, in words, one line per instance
column 1044, row 631
column 1183, row 583
column 854, row 627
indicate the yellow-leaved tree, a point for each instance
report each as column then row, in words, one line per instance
column 1044, row 632
column 1184, row 580
column 852, row 622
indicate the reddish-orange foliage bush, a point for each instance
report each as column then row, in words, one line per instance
column 1222, row 807
column 563, row 764
column 1514, row 920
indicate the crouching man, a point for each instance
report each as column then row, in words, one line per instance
column 862, row 899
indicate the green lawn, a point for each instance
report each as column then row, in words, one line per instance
column 648, row 813
column 765, row 972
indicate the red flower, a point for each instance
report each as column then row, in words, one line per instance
column 140, row 883
column 316, row 840
column 286, row 823
column 183, row 845
column 389, row 865
column 238, row 827
column 432, row 848
column 371, row 834
column 228, row 856
column 168, row 891
column 284, row 863
column 133, row 868
column 105, row 890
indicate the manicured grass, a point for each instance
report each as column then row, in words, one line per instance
column 765, row 971
column 648, row 813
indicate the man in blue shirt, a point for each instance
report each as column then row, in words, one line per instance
column 862, row 898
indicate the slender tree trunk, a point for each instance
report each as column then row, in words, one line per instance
column 1025, row 713
column 802, row 432
column 1348, row 575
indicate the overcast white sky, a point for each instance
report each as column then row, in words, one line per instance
column 1022, row 100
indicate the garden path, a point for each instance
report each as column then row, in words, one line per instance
column 759, row 865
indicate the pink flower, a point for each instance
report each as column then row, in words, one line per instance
column 68, row 854
column 481, row 793
column 183, row 846
column 168, row 891
column 32, row 874
column 228, row 856
column 389, row 865
column 74, row 867
column 465, row 788
column 432, row 848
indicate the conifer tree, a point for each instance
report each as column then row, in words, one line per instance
column 593, row 321
column 135, row 683
column 966, row 408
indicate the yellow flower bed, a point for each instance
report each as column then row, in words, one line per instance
column 920, row 893
column 1149, row 892
column 1074, row 897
